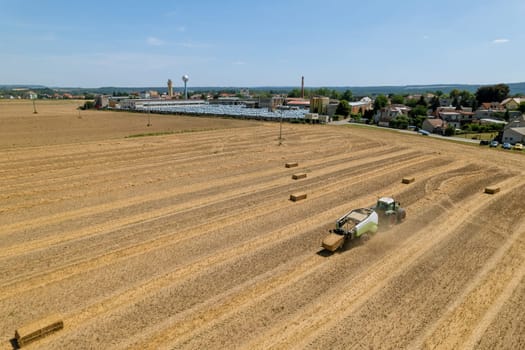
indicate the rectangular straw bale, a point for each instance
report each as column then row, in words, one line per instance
column 299, row 176
column 38, row 329
column 332, row 242
column 291, row 165
column 408, row 180
column 297, row 197
column 492, row 190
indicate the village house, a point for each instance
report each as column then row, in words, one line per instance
column 386, row 114
column 363, row 105
column 434, row 125
column 427, row 97
column 149, row 94
column 31, row 95
column 102, row 101
column 489, row 110
column 512, row 102
column 495, row 106
column 514, row 131
column 456, row 118
column 496, row 110
column 445, row 101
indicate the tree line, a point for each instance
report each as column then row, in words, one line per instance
column 331, row 93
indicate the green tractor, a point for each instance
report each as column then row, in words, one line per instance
column 389, row 211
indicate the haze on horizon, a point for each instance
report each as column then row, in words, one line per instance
column 272, row 43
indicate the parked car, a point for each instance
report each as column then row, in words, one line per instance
column 507, row 145
column 494, row 143
column 518, row 146
column 423, row 132
column 484, row 142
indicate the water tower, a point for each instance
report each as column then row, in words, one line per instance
column 185, row 79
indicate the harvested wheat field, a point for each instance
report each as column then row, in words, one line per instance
column 190, row 240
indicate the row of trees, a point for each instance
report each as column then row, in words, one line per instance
column 42, row 93
column 334, row 94
column 492, row 127
column 492, row 93
column 460, row 98
column 420, row 106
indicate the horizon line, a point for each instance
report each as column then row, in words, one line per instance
column 264, row 86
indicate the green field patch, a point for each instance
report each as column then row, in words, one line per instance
column 162, row 133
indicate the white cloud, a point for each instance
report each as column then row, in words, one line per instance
column 500, row 41
column 155, row 41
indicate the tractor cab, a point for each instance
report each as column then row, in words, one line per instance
column 389, row 211
column 385, row 204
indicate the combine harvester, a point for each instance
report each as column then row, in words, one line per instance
column 358, row 222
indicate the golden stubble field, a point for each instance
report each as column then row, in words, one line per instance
column 190, row 241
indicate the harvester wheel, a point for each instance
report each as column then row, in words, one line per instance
column 401, row 215
column 365, row 237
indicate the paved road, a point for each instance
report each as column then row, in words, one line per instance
column 460, row 139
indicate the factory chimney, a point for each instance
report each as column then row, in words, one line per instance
column 302, row 87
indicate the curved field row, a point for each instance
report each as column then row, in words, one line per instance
column 96, row 177
column 297, row 298
column 401, row 308
column 70, row 156
column 209, row 252
column 483, row 299
column 16, row 265
column 502, row 327
column 238, row 184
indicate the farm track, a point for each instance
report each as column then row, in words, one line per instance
column 139, row 246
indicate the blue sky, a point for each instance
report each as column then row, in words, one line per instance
column 261, row 43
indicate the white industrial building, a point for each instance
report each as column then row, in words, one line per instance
column 134, row 104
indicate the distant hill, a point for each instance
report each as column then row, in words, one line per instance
column 515, row 88
column 20, row 86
